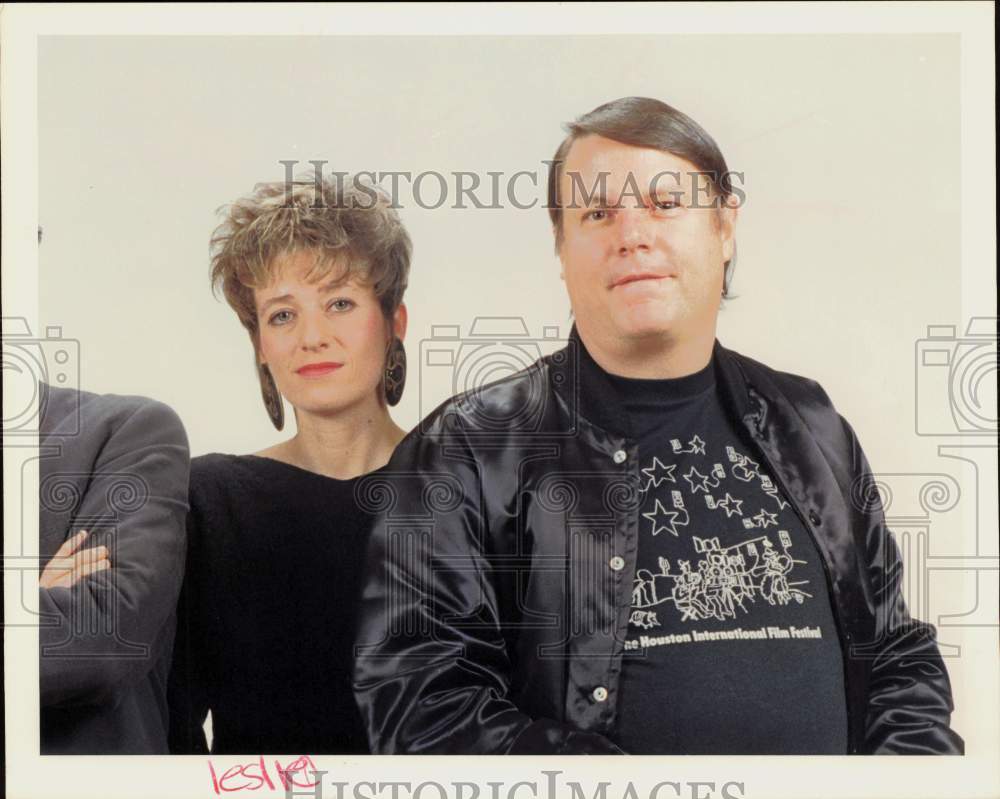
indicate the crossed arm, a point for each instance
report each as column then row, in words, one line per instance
column 72, row 563
column 105, row 608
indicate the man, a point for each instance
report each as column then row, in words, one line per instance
column 113, row 481
column 509, row 605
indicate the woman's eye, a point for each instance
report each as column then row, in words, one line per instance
column 596, row 215
column 342, row 305
column 280, row 318
column 666, row 205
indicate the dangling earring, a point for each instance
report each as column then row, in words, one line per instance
column 272, row 398
column 394, row 378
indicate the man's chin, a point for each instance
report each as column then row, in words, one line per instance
column 646, row 326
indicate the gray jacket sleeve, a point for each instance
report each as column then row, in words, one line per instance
column 126, row 476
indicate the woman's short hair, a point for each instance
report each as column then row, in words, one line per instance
column 351, row 226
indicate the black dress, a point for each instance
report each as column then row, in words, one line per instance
column 267, row 614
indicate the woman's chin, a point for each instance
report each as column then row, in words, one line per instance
column 331, row 407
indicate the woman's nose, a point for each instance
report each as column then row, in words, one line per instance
column 313, row 334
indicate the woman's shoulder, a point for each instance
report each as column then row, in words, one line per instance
column 219, row 473
column 256, row 476
column 218, row 463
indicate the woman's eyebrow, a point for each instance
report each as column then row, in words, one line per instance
column 334, row 285
column 274, row 300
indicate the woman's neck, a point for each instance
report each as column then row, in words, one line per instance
column 349, row 444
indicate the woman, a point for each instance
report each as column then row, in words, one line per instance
column 316, row 273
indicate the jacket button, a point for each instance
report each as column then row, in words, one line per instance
column 600, row 693
column 619, row 456
column 814, row 517
column 617, row 563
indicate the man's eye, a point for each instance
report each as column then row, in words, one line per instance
column 341, row 305
column 280, row 318
column 666, row 205
column 596, row 215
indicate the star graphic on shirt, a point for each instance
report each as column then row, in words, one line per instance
column 697, row 446
column 730, row 505
column 746, row 469
column 664, row 519
column 766, row 518
column 699, row 481
column 773, row 494
column 657, row 473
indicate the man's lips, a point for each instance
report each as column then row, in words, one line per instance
column 317, row 369
column 636, row 277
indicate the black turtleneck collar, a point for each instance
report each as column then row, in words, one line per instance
column 605, row 399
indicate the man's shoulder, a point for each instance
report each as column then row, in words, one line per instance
column 792, row 387
column 517, row 402
column 800, row 400
column 74, row 414
column 59, row 403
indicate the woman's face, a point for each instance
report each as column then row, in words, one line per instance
column 324, row 341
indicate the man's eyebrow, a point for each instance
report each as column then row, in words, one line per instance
column 668, row 181
column 668, row 185
column 670, row 191
column 593, row 201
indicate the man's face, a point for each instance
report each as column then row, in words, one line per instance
column 649, row 270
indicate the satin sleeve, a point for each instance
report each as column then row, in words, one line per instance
column 909, row 693
column 432, row 670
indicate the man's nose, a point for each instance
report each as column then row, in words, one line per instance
column 634, row 231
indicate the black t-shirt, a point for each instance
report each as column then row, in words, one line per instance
column 732, row 646
column 268, row 611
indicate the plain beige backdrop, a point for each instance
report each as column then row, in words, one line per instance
column 850, row 240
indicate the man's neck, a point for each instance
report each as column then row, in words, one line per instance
column 651, row 358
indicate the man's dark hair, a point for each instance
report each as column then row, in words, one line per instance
column 644, row 122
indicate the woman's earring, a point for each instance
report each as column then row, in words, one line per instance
column 272, row 398
column 395, row 372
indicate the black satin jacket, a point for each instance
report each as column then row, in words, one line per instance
column 501, row 563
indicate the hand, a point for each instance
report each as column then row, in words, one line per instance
column 70, row 564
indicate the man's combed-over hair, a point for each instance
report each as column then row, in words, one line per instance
column 644, row 122
column 351, row 227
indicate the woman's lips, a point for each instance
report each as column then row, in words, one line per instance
column 318, row 369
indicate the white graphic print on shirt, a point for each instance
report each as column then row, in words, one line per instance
column 721, row 582
column 664, row 519
column 728, row 595
column 716, row 582
column 657, row 473
column 695, row 446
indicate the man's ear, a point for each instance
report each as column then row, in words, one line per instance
column 558, row 251
column 399, row 321
column 728, row 214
